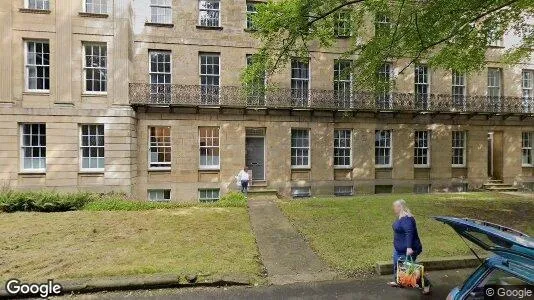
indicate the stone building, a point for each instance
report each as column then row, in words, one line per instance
column 144, row 97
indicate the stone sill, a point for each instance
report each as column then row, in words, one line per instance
column 159, row 24
column 94, row 94
column 160, row 170
column 35, row 11
column 251, row 30
column 91, row 173
column 209, row 170
column 36, row 93
column 209, row 27
column 32, row 174
column 92, row 15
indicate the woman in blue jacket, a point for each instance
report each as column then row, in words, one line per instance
column 406, row 240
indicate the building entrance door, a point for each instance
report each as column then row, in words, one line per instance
column 255, row 152
column 495, row 155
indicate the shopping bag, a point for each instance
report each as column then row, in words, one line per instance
column 410, row 274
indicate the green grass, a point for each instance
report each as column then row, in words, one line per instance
column 207, row 241
column 352, row 234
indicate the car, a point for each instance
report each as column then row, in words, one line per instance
column 512, row 262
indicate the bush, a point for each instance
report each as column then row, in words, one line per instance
column 232, row 199
column 43, row 201
column 128, row 205
column 50, row 201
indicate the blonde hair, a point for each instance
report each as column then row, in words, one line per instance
column 404, row 210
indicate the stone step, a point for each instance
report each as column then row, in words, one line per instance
column 254, row 190
column 490, row 184
column 508, row 188
column 494, row 181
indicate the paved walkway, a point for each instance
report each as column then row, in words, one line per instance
column 284, row 253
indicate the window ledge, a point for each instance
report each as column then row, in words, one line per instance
column 91, row 173
column 383, row 167
column 93, row 15
column 206, row 170
column 209, row 27
column 459, row 167
column 250, row 30
column 527, row 166
column 37, row 93
column 421, row 167
column 168, row 25
column 343, row 37
column 35, row 11
column 162, row 170
column 89, row 94
column 343, row 168
column 32, row 173
column 297, row 168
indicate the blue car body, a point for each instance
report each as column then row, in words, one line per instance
column 513, row 253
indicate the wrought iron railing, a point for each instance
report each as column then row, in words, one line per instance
column 144, row 94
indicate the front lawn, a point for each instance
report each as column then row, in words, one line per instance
column 352, row 234
column 207, row 241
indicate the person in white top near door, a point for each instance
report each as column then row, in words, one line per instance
column 243, row 178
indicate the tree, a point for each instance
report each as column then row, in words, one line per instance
column 448, row 34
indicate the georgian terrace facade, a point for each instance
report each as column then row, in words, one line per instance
column 147, row 100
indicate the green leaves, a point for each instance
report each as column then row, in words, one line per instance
column 448, row 34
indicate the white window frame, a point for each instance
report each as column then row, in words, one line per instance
column 102, row 4
column 257, row 96
column 422, row 83
column 28, row 66
column 160, row 6
column 207, row 11
column 297, row 151
column 343, row 83
column 89, row 146
column 494, row 40
column 249, row 24
column 527, row 87
column 300, row 85
column 387, row 146
column 45, row 4
column 103, row 69
column 459, row 142
column 209, row 92
column 156, row 95
column 159, row 195
column 212, row 191
column 343, row 24
column 459, row 89
column 384, row 98
column 527, row 146
column 494, row 87
column 382, row 22
column 159, row 143
column 210, row 147
column 339, row 135
column 421, row 152
column 39, row 145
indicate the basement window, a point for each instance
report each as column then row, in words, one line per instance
column 159, row 195
column 421, row 188
column 301, row 192
column 208, row 195
column 383, row 189
column 346, row 190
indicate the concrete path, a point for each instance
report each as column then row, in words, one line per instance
column 374, row 288
column 284, row 253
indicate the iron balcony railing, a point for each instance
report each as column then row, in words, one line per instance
column 144, row 94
